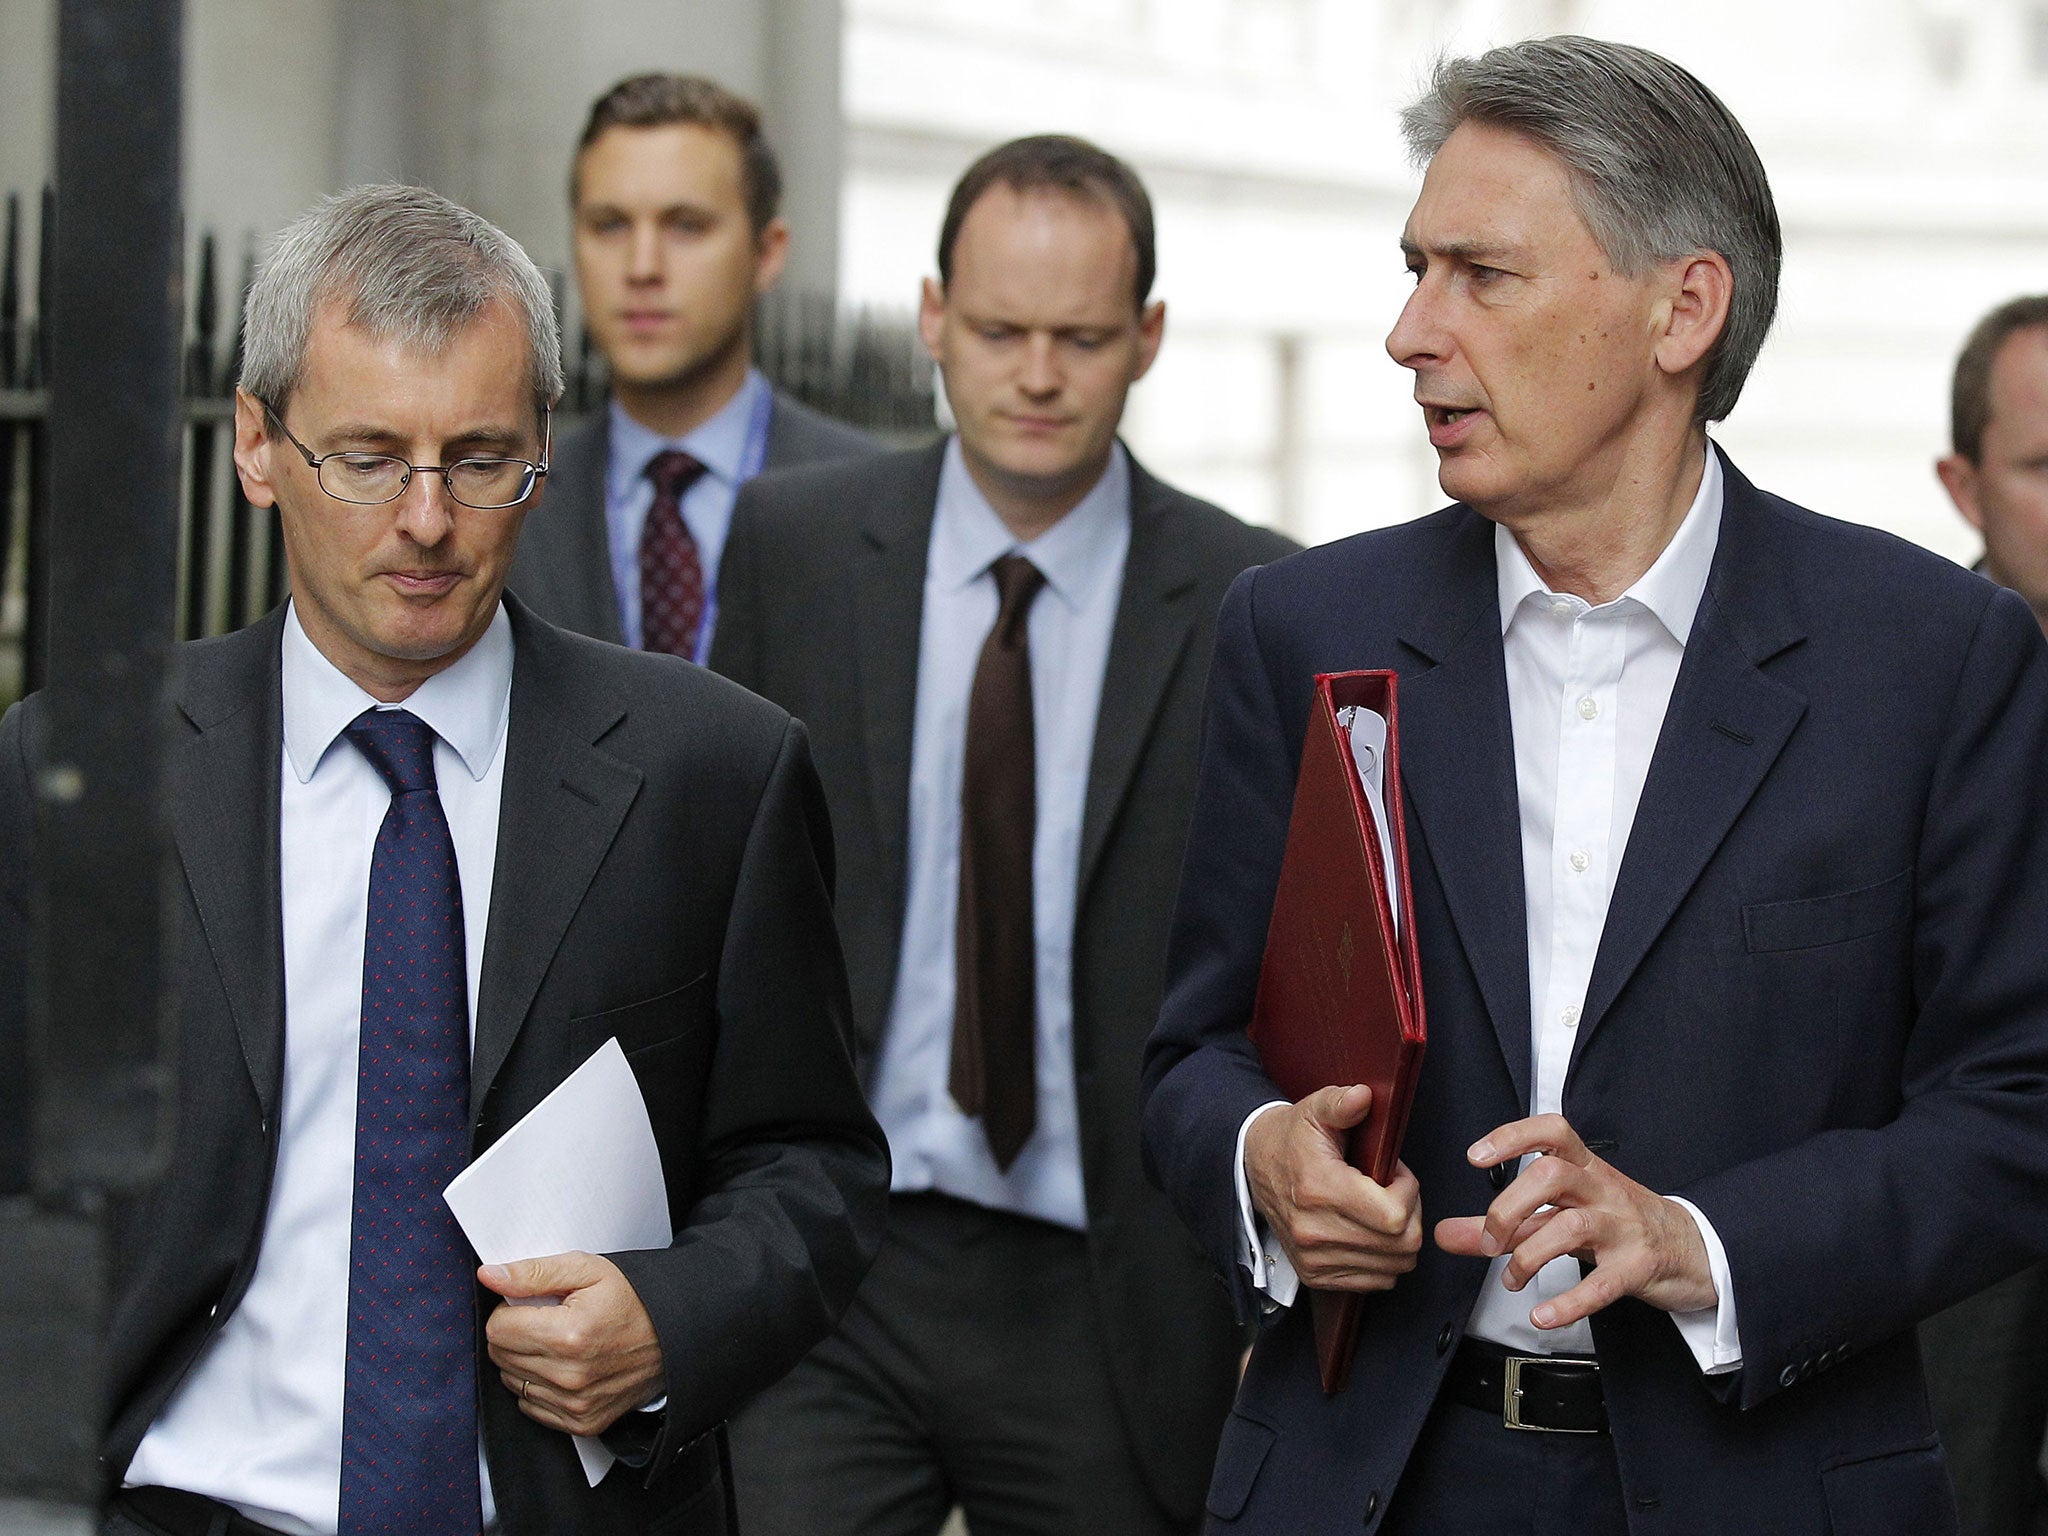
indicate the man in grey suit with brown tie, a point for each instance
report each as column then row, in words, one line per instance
column 999, row 645
column 674, row 192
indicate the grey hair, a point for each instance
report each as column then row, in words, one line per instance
column 1659, row 168
column 409, row 265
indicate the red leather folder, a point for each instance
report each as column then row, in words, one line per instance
column 1340, row 988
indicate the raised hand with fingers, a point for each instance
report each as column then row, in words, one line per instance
column 1341, row 1231
column 578, row 1366
column 1568, row 1201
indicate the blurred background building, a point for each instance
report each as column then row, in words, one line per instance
column 1902, row 137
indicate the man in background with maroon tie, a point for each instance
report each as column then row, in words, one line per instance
column 999, row 645
column 674, row 192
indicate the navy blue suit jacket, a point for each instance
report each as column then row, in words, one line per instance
column 1819, row 1009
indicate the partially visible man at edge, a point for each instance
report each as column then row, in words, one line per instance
column 1996, row 471
column 1987, row 1358
column 1728, row 836
column 998, row 644
column 673, row 194
column 436, row 852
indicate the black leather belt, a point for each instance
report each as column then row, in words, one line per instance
column 1559, row 1394
column 175, row 1512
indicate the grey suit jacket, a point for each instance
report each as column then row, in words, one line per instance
column 664, row 874
column 563, row 567
column 821, row 605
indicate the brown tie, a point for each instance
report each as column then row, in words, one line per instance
column 671, row 574
column 995, row 1012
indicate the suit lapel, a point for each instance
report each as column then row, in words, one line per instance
column 1155, row 616
column 1724, row 728
column 888, row 594
column 224, row 815
column 1458, row 772
column 562, row 803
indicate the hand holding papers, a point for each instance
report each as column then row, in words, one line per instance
column 1340, row 989
column 580, row 1172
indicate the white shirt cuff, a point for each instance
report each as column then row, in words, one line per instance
column 1272, row 1271
column 1710, row 1332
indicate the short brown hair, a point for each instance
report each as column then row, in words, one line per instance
column 1056, row 161
column 657, row 100
column 1970, row 399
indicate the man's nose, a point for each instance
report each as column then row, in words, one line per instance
column 644, row 253
column 1417, row 337
column 426, row 512
column 1041, row 374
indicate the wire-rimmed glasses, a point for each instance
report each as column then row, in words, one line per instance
column 371, row 479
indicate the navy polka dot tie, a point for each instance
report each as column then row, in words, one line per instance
column 408, row 1440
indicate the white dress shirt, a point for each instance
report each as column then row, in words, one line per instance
column 257, row 1423
column 1587, row 692
column 932, row 1145
column 731, row 446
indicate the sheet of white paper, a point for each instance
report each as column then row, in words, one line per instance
column 1369, row 751
column 580, row 1171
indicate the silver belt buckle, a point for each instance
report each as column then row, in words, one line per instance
column 1511, row 1393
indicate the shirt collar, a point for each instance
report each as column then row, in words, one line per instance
column 1074, row 555
column 719, row 444
column 466, row 703
column 1670, row 589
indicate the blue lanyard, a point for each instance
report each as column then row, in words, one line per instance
column 752, row 457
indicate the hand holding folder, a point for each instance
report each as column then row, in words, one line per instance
column 1340, row 988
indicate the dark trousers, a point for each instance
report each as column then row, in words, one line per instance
column 969, row 1370
column 1470, row 1475
column 1987, row 1373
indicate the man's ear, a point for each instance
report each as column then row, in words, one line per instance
column 1151, row 332
column 771, row 254
column 254, row 447
column 931, row 316
column 1959, row 479
column 1694, row 312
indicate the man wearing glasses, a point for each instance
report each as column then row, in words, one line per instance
column 436, row 853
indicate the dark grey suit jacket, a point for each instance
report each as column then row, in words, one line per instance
column 821, row 608
column 563, row 566
column 664, row 875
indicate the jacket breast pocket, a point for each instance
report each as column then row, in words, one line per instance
column 1899, row 1493
column 1817, row 920
column 650, row 1022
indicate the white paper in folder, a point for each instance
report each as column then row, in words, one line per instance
column 580, row 1172
column 1368, row 732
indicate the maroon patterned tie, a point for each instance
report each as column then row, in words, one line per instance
column 995, row 1006
column 671, row 575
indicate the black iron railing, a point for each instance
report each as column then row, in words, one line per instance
column 863, row 366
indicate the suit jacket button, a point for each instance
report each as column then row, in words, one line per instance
column 1443, row 1338
column 1372, row 1506
column 1788, row 1375
column 1499, row 1174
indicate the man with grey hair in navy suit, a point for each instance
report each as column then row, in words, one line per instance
column 1728, row 843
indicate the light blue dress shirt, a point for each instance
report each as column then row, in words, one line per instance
column 933, row 1145
column 729, row 449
